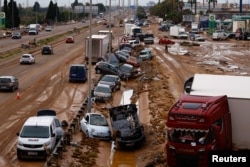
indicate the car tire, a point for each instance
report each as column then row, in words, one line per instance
column 87, row 134
column 13, row 89
column 98, row 71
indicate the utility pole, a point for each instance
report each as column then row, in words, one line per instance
column 90, row 59
column 110, row 42
column 36, row 10
column 12, row 13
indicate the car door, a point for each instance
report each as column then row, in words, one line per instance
column 113, row 70
column 84, row 123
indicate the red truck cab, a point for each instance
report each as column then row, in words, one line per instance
column 195, row 126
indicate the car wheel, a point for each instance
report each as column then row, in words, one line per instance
column 13, row 89
column 98, row 71
column 87, row 134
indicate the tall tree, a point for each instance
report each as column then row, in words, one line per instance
column 13, row 15
column 7, row 15
column 50, row 13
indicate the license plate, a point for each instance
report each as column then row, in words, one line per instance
column 3, row 87
column 32, row 153
column 129, row 144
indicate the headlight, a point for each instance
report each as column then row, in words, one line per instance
column 19, row 143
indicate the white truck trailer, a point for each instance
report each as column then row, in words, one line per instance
column 178, row 32
column 99, row 47
column 236, row 88
column 127, row 28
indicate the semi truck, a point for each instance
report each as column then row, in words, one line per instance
column 178, row 32
column 100, row 44
column 133, row 31
column 212, row 115
column 34, row 29
column 127, row 131
column 127, row 28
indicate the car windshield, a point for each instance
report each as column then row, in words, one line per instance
column 108, row 79
column 143, row 53
column 25, row 56
column 46, row 48
column 35, row 132
column 126, row 69
column 103, row 89
column 5, row 80
column 98, row 120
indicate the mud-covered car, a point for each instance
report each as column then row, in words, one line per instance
column 95, row 125
column 127, row 130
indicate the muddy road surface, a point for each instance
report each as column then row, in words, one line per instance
column 45, row 85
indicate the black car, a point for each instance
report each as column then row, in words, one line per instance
column 113, row 81
column 47, row 49
column 106, row 68
column 111, row 58
column 8, row 83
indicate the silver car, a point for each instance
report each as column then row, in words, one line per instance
column 27, row 59
column 102, row 92
column 113, row 80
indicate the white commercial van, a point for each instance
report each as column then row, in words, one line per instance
column 37, row 137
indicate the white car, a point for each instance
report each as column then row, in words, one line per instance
column 95, row 125
column 198, row 37
column 27, row 59
column 48, row 28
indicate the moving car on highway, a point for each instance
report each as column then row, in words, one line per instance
column 70, row 39
column 47, row 49
column 8, row 83
column 27, row 59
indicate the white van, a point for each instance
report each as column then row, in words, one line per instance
column 37, row 137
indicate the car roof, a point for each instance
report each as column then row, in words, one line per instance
column 82, row 65
column 103, row 85
column 39, row 121
column 128, row 65
column 110, row 75
column 7, row 76
column 27, row 54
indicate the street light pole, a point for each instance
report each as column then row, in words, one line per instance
column 90, row 59
column 12, row 13
column 36, row 11
column 110, row 42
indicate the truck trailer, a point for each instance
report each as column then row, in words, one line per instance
column 212, row 115
column 178, row 32
column 100, row 45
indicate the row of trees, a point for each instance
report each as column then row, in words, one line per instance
column 12, row 13
column 15, row 15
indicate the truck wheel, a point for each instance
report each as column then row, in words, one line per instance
column 19, row 155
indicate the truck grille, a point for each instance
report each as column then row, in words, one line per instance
column 32, row 146
column 187, row 160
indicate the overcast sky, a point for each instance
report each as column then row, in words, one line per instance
column 45, row 3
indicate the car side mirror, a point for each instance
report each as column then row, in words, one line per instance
column 17, row 133
column 53, row 135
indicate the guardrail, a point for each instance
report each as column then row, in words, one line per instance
column 66, row 139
